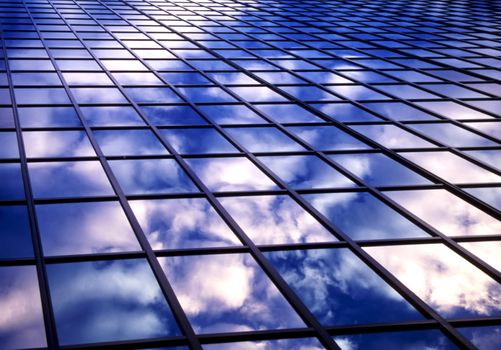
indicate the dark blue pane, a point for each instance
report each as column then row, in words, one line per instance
column 172, row 115
column 264, row 139
column 111, row 116
column 362, row 216
column 108, row 301
column 484, row 338
column 9, row 148
column 68, row 179
column 11, row 186
column 206, row 94
column 129, row 142
column 84, row 228
column 39, row 117
column 281, row 344
column 428, row 339
column 151, row 176
column 327, row 138
column 15, row 234
column 345, row 112
column 197, row 141
column 378, row 169
column 340, row 289
column 231, row 114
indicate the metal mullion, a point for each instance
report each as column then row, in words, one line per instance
column 156, row 268
column 447, row 327
column 268, row 269
column 42, row 279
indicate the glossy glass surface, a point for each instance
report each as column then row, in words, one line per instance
column 451, row 167
column 85, row 228
column 327, row 138
column 489, row 195
column 182, row 223
column 21, row 323
column 11, row 186
column 346, row 112
column 243, row 299
column 377, row 169
column 361, row 216
column 197, row 141
column 392, row 136
column 34, row 117
column 281, row 344
column 9, row 149
column 452, row 135
column 129, row 142
column 264, row 139
column 446, row 212
column 231, row 114
column 275, row 220
column 339, row 289
column 15, row 233
column 485, row 338
column 305, row 172
column 488, row 251
column 172, row 115
column 230, row 174
column 111, row 116
column 447, row 282
column 68, row 179
column 427, row 339
column 288, row 113
column 108, row 301
column 51, row 144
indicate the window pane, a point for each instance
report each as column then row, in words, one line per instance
column 129, row 142
column 57, row 144
column 15, row 233
column 197, row 141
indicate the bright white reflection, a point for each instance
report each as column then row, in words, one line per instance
column 275, row 220
column 490, row 252
column 182, row 223
column 21, row 320
column 243, row 298
column 451, row 167
column 443, row 279
column 446, row 212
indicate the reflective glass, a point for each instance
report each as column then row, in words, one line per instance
column 41, row 96
column 206, row 94
column 488, row 251
column 452, row 135
column 39, row 117
column 305, row 172
column 392, row 136
column 111, row 116
column 84, row 228
column 129, row 142
column 264, row 139
column 489, row 195
column 451, row 285
column 231, row 114
column 150, row 94
column 172, row 115
column 426, row 339
column 339, row 289
column 485, row 338
column 182, row 223
column 68, row 179
column 40, row 144
column 9, row 148
column 327, row 138
column 108, row 301
column 144, row 176
column 21, row 324
column 362, row 216
column 377, row 169
column 98, row 95
column 288, row 113
column 281, row 344
column 243, row 298
column 11, row 186
column 15, row 233
column 398, row 111
column 345, row 112
column 230, row 174
column 197, row 141
column 275, row 220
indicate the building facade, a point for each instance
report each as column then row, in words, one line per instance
column 250, row 174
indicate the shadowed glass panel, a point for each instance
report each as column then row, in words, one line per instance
column 327, row 138
column 11, row 186
column 15, row 233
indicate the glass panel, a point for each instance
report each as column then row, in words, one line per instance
column 452, row 135
column 57, row 144
column 485, row 338
column 306, row 172
column 9, row 148
column 41, row 96
column 15, row 234
column 108, row 301
column 11, row 186
column 288, row 113
column 265, row 139
column 98, row 95
column 392, row 136
column 443, row 279
column 68, row 179
column 85, row 228
column 182, row 223
column 281, row 344
column 428, row 339
column 340, row 289
column 451, row 167
column 172, row 115
column 145, row 176
column 327, row 138
column 488, row 251
column 446, row 212
column 231, row 114
column 40, row 117
column 275, row 220
column 129, row 142
column 197, row 141
column 230, row 174
column 378, row 169
column 345, row 112
column 489, row 195
column 21, row 324
column 160, row 94
column 362, row 216
column 206, row 94
column 243, row 299
column 111, row 116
